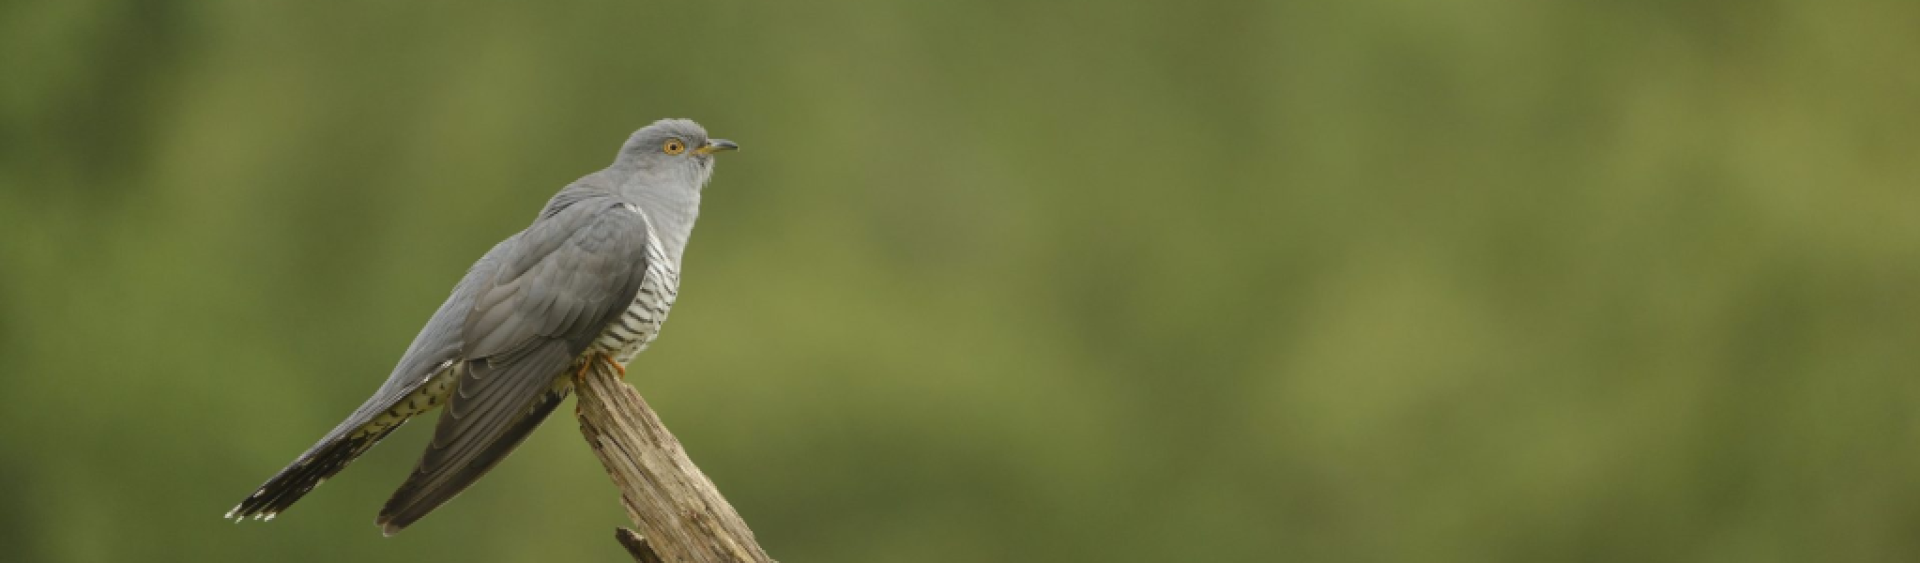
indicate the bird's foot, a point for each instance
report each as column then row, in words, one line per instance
column 580, row 377
column 617, row 368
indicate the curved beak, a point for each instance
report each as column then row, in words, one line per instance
column 716, row 145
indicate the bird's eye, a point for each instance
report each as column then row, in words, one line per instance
column 674, row 146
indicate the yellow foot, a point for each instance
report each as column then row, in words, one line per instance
column 580, row 376
column 622, row 370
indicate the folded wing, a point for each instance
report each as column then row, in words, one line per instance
column 572, row 272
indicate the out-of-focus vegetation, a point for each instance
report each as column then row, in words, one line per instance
column 1480, row 280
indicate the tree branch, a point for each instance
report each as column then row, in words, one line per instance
column 680, row 514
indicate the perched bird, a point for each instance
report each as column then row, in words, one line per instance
column 591, row 280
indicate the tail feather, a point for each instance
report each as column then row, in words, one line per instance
column 313, row 468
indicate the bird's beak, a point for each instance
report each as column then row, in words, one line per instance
column 716, row 145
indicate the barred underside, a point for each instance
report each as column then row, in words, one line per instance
column 427, row 398
column 639, row 324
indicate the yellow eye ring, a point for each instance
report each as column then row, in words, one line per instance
column 674, row 146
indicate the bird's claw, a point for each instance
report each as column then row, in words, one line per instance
column 617, row 368
column 581, row 375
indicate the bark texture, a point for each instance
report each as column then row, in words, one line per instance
column 680, row 515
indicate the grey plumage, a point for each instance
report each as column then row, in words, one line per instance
column 594, row 275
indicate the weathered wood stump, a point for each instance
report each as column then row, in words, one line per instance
column 680, row 515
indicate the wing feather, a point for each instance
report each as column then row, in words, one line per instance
column 574, row 271
column 436, row 347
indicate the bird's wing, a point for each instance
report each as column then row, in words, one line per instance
column 433, row 350
column 571, row 273
column 438, row 345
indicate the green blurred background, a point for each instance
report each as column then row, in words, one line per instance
column 1389, row 280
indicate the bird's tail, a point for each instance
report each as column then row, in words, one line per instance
column 379, row 416
column 323, row 460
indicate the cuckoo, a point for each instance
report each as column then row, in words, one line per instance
column 591, row 280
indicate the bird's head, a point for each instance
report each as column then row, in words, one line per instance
column 674, row 148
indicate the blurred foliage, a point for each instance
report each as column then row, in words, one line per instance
column 1479, row 280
